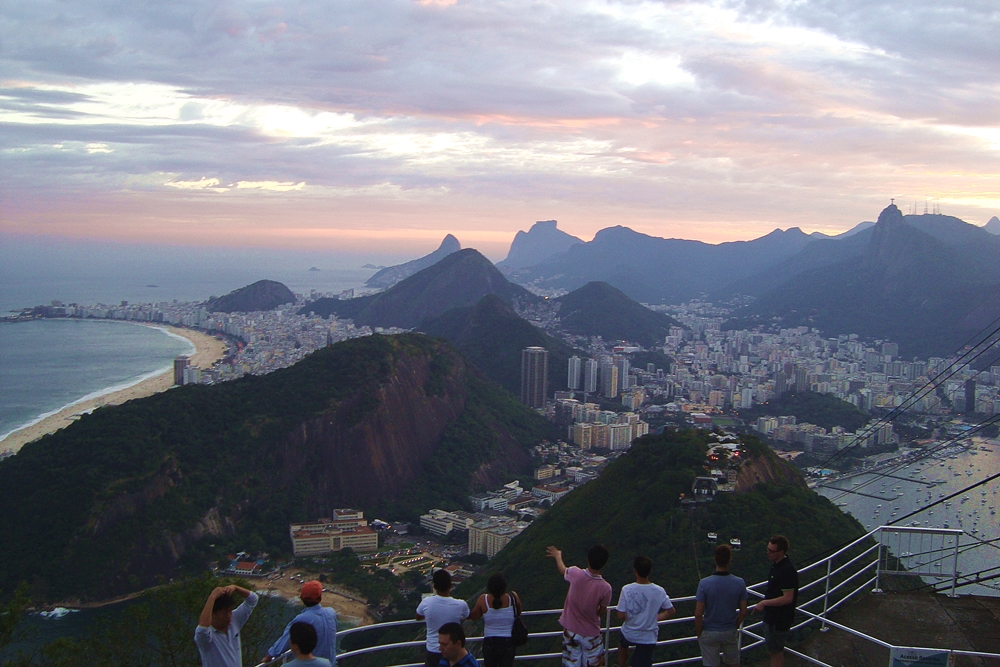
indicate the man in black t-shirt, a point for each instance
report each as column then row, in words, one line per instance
column 779, row 600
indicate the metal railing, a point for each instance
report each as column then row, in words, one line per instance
column 826, row 585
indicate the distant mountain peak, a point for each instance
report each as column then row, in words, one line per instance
column 993, row 226
column 890, row 215
column 542, row 241
column 391, row 275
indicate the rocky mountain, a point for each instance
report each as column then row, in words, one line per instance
column 391, row 275
column 536, row 245
column 459, row 280
column 261, row 295
column 993, row 225
column 657, row 270
column 634, row 508
column 927, row 281
column 491, row 335
column 598, row 309
column 160, row 486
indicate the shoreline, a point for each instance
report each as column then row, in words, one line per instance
column 207, row 350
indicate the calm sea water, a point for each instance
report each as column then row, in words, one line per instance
column 920, row 484
column 46, row 365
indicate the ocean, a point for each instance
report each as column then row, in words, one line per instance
column 46, row 365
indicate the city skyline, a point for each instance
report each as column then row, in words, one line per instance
column 298, row 127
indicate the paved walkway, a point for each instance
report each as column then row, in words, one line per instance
column 906, row 619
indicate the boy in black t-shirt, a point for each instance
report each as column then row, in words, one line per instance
column 779, row 600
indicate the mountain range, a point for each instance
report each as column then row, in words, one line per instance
column 650, row 269
column 927, row 282
column 391, row 275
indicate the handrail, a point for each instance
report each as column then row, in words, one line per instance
column 835, row 587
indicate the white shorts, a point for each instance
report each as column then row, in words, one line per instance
column 580, row 651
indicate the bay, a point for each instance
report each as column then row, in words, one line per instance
column 46, row 365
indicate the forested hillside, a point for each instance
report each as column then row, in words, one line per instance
column 162, row 485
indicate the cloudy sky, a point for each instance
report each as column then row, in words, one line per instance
column 388, row 123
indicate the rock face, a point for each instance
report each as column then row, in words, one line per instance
column 261, row 295
column 536, row 245
column 391, row 275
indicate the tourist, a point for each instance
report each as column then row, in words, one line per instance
column 451, row 640
column 779, row 600
column 437, row 610
column 322, row 619
column 586, row 602
column 302, row 639
column 641, row 605
column 497, row 607
column 720, row 607
column 218, row 633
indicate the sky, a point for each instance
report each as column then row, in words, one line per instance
column 382, row 125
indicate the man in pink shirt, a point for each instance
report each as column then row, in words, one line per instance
column 586, row 602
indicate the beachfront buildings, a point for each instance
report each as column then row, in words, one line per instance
column 347, row 528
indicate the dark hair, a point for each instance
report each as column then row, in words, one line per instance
column 442, row 580
column 643, row 566
column 454, row 631
column 780, row 541
column 224, row 602
column 723, row 555
column 303, row 635
column 497, row 586
column 597, row 557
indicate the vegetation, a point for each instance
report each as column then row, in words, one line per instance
column 598, row 309
column 157, row 631
column 261, row 295
column 460, row 279
column 824, row 410
column 105, row 505
column 491, row 335
column 634, row 508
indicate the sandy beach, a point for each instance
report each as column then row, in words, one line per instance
column 208, row 350
column 346, row 602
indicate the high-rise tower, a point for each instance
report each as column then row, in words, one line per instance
column 534, row 376
column 575, row 372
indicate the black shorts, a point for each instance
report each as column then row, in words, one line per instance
column 774, row 639
column 643, row 654
column 431, row 659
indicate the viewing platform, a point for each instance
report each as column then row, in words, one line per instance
column 857, row 607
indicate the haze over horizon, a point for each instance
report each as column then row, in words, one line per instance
column 379, row 129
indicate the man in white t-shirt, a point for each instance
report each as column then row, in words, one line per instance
column 436, row 610
column 641, row 605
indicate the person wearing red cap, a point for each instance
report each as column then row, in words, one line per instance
column 323, row 619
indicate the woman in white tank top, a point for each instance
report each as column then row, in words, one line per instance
column 496, row 608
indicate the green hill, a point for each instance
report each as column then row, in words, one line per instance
column 633, row 508
column 598, row 309
column 491, row 335
column 459, row 280
column 261, row 295
column 161, row 485
column 823, row 410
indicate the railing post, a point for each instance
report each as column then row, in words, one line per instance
column 607, row 637
column 954, row 567
column 878, row 565
column 826, row 595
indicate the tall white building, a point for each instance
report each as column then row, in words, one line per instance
column 575, row 372
column 590, row 376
